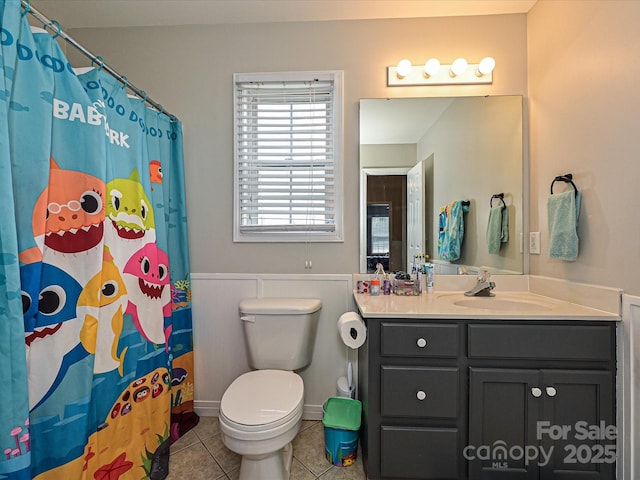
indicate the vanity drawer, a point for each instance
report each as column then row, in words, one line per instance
column 419, row 339
column 424, row 453
column 419, row 392
column 540, row 342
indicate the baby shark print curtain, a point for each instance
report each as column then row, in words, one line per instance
column 95, row 305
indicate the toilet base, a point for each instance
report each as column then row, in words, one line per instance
column 274, row 466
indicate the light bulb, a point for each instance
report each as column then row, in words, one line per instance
column 487, row 64
column 458, row 66
column 432, row 66
column 404, row 68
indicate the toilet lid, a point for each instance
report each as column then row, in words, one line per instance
column 262, row 396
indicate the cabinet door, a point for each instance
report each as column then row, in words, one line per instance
column 577, row 425
column 504, row 406
column 419, row 452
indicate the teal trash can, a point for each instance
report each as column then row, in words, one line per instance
column 341, row 422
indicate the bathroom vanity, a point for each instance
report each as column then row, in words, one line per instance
column 516, row 386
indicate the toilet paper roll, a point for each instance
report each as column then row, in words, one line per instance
column 353, row 331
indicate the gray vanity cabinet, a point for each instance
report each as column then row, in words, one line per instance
column 414, row 398
column 548, row 411
column 434, row 391
column 557, row 409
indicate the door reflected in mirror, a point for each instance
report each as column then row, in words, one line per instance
column 387, row 193
column 441, row 150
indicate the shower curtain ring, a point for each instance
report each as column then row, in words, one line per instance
column 58, row 28
column 27, row 7
column 161, row 108
column 144, row 97
column 125, row 81
column 101, row 62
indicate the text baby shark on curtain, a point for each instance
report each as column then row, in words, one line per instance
column 76, row 112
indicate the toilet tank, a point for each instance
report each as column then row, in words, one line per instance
column 280, row 333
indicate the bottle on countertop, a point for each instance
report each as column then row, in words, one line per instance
column 386, row 285
column 429, row 274
column 375, row 286
column 377, row 279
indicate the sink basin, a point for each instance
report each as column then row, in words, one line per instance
column 503, row 305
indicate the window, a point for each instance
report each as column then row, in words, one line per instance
column 288, row 157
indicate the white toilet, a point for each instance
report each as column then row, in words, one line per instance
column 261, row 411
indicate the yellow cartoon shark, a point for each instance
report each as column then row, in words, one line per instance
column 106, row 296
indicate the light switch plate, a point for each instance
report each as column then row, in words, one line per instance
column 534, row 243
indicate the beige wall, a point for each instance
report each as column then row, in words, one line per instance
column 477, row 153
column 399, row 155
column 580, row 61
column 189, row 70
column 584, row 106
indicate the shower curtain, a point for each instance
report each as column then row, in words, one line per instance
column 95, row 306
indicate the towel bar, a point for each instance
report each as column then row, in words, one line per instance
column 499, row 196
column 567, row 178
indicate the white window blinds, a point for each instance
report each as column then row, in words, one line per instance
column 286, row 156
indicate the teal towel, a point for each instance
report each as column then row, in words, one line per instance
column 451, row 229
column 563, row 211
column 497, row 228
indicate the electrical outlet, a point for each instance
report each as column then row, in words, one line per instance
column 534, row 243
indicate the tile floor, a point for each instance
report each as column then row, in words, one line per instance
column 200, row 454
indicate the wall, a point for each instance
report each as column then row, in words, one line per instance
column 584, row 104
column 476, row 153
column 219, row 352
column 628, row 421
column 189, row 70
column 378, row 156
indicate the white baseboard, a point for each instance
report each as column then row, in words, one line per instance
column 312, row 412
column 206, row 408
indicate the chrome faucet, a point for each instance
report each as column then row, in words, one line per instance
column 483, row 287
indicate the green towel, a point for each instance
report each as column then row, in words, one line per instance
column 497, row 228
column 563, row 210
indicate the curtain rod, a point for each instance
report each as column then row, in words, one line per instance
column 55, row 27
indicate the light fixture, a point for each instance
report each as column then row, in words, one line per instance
column 458, row 67
column 486, row 66
column 432, row 67
column 433, row 73
column 404, row 68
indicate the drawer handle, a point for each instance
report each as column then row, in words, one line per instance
column 421, row 395
column 421, row 343
column 536, row 392
column 551, row 391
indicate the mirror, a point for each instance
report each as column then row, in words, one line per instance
column 418, row 155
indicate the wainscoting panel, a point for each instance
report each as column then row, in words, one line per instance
column 220, row 352
column 629, row 390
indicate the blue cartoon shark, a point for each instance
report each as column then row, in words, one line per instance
column 52, row 329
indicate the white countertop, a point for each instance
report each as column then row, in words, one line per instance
column 455, row 305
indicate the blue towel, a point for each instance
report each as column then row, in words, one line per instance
column 497, row 228
column 563, row 211
column 451, row 230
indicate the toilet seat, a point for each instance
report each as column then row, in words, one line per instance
column 262, row 401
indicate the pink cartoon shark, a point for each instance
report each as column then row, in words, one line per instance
column 146, row 276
